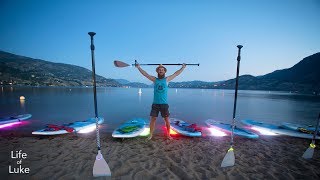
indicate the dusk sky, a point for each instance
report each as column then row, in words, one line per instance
column 276, row 34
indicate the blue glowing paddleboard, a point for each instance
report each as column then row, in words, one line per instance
column 184, row 128
column 130, row 129
column 78, row 126
column 270, row 128
column 7, row 120
column 301, row 128
column 227, row 128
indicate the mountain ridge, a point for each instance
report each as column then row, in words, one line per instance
column 20, row 70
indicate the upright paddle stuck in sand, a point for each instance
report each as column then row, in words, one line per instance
column 100, row 167
column 229, row 158
column 308, row 154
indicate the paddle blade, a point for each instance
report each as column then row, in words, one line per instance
column 100, row 167
column 120, row 64
column 228, row 159
column 308, row 154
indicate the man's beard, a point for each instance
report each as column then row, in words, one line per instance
column 161, row 76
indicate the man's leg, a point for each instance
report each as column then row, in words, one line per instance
column 152, row 126
column 166, row 120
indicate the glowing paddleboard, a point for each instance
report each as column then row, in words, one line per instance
column 12, row 119
column 184, row 128
column 130, row 129
column 227, row 128
column 309, row 129
column 78, row 126
column 265, row 128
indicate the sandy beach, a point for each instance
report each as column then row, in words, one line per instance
column 72, row 156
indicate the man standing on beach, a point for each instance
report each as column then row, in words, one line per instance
column 160, row 93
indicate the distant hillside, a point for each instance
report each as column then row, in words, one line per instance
column 122, row 81
column 302, row 77
column 20, row 70
column 192, row 84
column 138, row 85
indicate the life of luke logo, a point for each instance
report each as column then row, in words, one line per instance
column 18, row 156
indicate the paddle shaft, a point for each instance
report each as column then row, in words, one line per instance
column 316, row 131
column 166, row 64
column 93, row 73
column 236, row 93
column 94, row 87
column 135, row 62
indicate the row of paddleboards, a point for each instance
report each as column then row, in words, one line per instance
column 253, row 128
column 139, row 126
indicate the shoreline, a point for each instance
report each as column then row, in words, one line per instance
column 72, row 157
column 301, row 93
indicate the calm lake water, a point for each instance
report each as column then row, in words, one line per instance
column 117, row 105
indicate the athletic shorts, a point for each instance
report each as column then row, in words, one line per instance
column 163, row 108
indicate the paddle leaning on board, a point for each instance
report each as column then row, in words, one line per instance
column 100, row 166
column 229, row 158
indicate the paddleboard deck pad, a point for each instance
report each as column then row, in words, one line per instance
column 227, row 128
column 184, row 128
column 130, row 129
column 52, row 129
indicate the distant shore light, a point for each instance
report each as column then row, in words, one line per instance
column 22, row 98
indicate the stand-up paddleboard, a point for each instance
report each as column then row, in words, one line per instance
column 131, row 128
column 227, row 128
column 184, row 128
column 52, row 129
column 7, row 120
column 301, row 128
column 270, row 128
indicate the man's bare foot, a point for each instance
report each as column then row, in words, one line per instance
column 169, row 137
column 149, row 138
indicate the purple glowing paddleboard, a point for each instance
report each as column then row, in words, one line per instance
column 12, row 119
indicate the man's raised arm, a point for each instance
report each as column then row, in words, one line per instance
column 151, row 78
column 169, row 78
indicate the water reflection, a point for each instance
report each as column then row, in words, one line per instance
column 140, row 98
column 22, row 105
